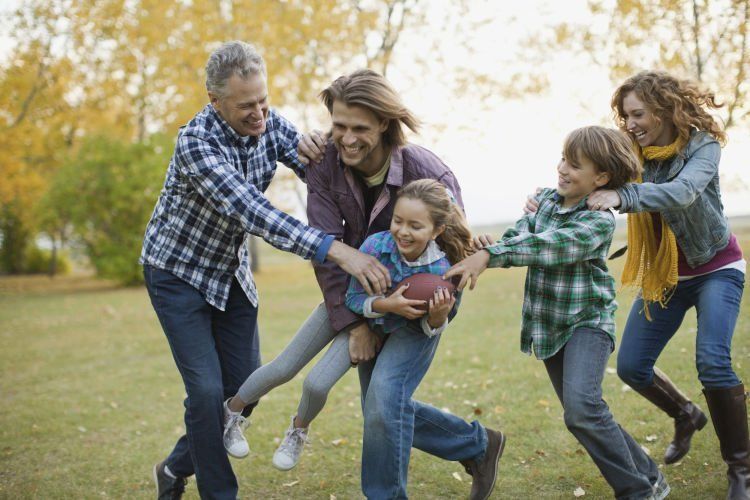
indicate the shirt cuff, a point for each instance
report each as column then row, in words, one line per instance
column 322, row 251
column 429, row 331
column 367, row 307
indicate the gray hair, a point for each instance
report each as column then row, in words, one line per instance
column 232, row 58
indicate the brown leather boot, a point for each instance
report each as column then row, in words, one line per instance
column 729, row 415
column 688, row 418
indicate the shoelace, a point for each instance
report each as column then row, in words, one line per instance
column 237, row 423
column 293, row 437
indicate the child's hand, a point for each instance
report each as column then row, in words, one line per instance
column 483, row 240
column 469, row 269
column 396, row 303
column 440, row 306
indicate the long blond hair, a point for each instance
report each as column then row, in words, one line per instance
column 455, row 240
column 370, row 90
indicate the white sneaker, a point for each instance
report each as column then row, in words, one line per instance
column 234, row 440
column 288, row 452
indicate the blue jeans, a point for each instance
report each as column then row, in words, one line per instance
column 215, row 351
column 716, row 298
column 394, row 422
column 576, row 372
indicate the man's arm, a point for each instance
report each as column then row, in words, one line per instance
column 218, row 182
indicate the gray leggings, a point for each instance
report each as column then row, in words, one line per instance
column 314, row 334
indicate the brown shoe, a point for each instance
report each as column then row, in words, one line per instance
column 688, row 418
column 484, row 473
column 729, row 415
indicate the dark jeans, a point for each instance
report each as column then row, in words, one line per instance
column 576, row 372
column 716, row 298
column 215, row 351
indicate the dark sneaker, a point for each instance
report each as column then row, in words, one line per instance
column 166, row 487
column 484, row 473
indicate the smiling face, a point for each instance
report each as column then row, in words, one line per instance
column 577, row 178
column 412, row 227
column 647, row 128
column 245, row 106
column 358, row 137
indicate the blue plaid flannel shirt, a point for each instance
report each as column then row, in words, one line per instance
column 213, row 197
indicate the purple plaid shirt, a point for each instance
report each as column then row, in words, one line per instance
column 213, row 197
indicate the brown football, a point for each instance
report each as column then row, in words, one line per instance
column 422, row 286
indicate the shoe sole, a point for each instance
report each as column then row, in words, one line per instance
column 237, row 456
column 284, row 469
column 156, row 480
column 698, row 426
column 500, row 450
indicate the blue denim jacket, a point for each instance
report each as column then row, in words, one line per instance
column 686, row 191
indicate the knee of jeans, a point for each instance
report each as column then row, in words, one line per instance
column 377, row 406
column 715, row 370
column 633, row 374
column 579, row 413
column 205, row 393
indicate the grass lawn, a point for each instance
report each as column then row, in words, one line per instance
column 91, row 398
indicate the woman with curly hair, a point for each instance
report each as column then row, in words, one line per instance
column 682, row 254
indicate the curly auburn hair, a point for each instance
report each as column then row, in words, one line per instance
column 681, row 102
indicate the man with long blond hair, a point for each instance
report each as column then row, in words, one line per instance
column 351, row 195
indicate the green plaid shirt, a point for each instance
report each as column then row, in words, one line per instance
column 567, row 283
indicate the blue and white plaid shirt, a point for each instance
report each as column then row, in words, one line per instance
column 213, row 197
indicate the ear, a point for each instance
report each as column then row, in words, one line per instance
column 384, row 125
column 213, row 98
column 438, row 231
column 602, row 179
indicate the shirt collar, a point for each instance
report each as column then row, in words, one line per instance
column 431, row 254
column 564, row 210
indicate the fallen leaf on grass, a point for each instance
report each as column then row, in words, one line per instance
column 611, row 371
column 457, row 477
column 339, row 441
column 578, row 492
column 477, row 411
column 289, row 485
column 543, row 402
column 651, row 438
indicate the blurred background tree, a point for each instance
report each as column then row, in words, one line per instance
column 703, row 40
column 89, row 83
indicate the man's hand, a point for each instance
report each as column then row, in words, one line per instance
column 469, row 269
column 532, row 205
column 372, row 275
column 440, row 306
column 396, row 303
column 363, row 343
column 603, row 199
column 312, row 146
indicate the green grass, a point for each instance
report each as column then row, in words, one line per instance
column 91, row 398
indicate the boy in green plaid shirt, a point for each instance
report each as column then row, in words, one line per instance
column 569, row 300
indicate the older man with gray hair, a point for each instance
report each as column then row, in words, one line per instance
column 195, row 259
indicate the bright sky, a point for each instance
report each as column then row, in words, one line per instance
column 500, row 150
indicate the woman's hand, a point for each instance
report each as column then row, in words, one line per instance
column 483, row 240
column 469, row 269
column 439, row 307
column 532, row 205
column 396, row 303
column 603, row 199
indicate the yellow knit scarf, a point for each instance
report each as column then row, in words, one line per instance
column 652, row 269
